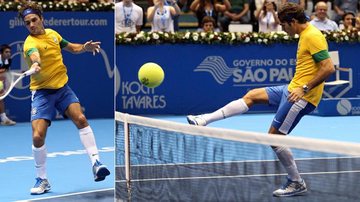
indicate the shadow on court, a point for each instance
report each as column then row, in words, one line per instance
column 96, row 196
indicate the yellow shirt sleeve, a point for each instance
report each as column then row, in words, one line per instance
column 318, row 48
column 29, row 48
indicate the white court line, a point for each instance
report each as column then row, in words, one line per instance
column 64, row 195
column 244, row 161
column 238, row 176
column 55, row 154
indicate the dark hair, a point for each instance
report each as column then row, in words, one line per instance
column 266, row 2
column 290, row 11
column 348, row 13
column 3, row 47
column 30, row 5
column 202, row 4
column 207, row 19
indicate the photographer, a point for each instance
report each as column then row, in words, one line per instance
column 5, row 63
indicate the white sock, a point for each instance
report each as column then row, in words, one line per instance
column 287, row 160
column 233, row 108
column 3, row 117
column 40, row 161
column 88, row 140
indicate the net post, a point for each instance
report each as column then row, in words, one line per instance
column 127, row 157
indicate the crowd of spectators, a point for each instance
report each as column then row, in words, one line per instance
column 65, row 1
column 260, row 14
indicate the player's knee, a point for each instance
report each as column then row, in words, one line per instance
column 81, row 121
column 38, row 139
column 250, row 97
column 255, row 96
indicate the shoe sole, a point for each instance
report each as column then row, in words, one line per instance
column 191, row 122
column 294, row 194
column 45, row 191
column 101, row 174
column 8, row 124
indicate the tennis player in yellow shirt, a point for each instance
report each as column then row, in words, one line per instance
column 294, row 100
column 50, row 91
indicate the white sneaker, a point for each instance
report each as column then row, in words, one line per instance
column 8, row 122
column 41, row 186
column 100, row 171
column 196, row 120
column 291, row 188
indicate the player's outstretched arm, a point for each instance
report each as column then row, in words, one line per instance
column 35, row 61
column 89, row 46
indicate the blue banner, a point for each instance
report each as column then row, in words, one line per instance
column 91, row 77
column 202, row 78
column 338, row 107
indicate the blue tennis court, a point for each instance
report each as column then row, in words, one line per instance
column 213, row 170
column 68, row 165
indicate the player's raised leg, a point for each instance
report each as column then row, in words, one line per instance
column 236, row 107
column 87, row 138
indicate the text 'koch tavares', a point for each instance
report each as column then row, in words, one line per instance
column 134, row 95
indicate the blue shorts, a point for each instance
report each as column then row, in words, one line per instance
column 288, row 114
column 46, row 101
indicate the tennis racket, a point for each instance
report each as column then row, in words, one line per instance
column 9, row 80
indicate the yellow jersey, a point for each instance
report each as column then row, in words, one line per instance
column 53, row 73
column 312, row 48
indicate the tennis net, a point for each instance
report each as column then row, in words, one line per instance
column 158, row 160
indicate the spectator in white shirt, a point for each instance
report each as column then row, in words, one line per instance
column 267, row 17
column 161, row 16
column 128, row 17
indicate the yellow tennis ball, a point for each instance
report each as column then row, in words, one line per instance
column 1, row 85
column 151, row 75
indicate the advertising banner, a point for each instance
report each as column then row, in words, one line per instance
column 202, row 78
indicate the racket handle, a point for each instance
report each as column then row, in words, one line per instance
column 29, row 72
